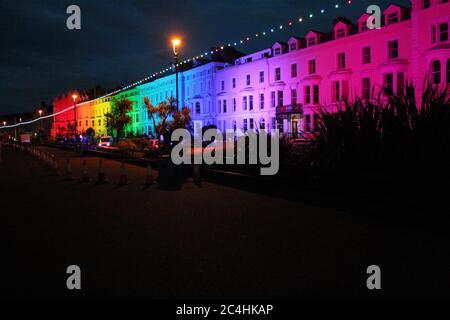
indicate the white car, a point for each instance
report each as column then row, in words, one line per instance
column 106, row 141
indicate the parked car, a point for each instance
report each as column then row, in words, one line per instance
column 106, row 141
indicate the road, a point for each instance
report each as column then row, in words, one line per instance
column 209, row 242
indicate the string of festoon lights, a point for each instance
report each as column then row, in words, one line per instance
column 299, row 20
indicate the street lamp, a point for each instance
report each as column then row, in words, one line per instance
column 4, row 123
column 176, row 42
column 74, row 97
column 40, row 113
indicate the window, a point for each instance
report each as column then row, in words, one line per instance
column 261, row 101
column 245, row 124
column 436, row 72
column 393, row 49
column 252, row 124
column 93, row 123
column 248, row 80
column 448, row 71
column 307, row 94
column 233, row 83
column 293, row 97
column 443, row 32
column 277, row 51
column 277, row 74
column 222, row 85
column 312, row 66
column 234, row 104
column 219, row 106
column 400, row 82
column 251, row 103
column 308, row 123
column 341, row 61
column 280, row 98
column 293, row 46
column 311, row 41
column 340, row 33
column 198, row 108
column 249, row 60
column 293, row 70
column 426, row 4
column 392, row 18
column 87, row 123
column 244, row 103
column 261, row 76
column 272, row 99
column 234, row 125
column 366, row 88
column 224, row 106
column 316, row 94
column 262, row 124
column 336, row 91
column 366, row 55
column 389, row 82
column 364, row 26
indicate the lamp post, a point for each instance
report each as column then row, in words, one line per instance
column 74, row 97
column 176, row 43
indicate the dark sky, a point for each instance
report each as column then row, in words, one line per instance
column 124, row 41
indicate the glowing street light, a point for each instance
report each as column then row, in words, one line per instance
column 176, row 42
column 4, row 123
column 75, row 97
column 40, row 112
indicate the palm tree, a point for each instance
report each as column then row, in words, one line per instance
column 119, row 118
column 163, row 111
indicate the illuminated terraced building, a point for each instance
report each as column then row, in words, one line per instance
column 284, row 86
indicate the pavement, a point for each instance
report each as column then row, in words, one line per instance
column 208, row 242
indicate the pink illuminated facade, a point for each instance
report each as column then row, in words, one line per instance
column 284, row 86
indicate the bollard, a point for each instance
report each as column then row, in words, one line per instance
column 101, row 173
column 196, row 174
column 85, row 174
column 149, row 180
column 123, row 175
column 68, row 170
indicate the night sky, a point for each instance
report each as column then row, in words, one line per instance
column 123, row 41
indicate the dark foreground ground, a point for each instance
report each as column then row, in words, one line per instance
column 212, row 242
